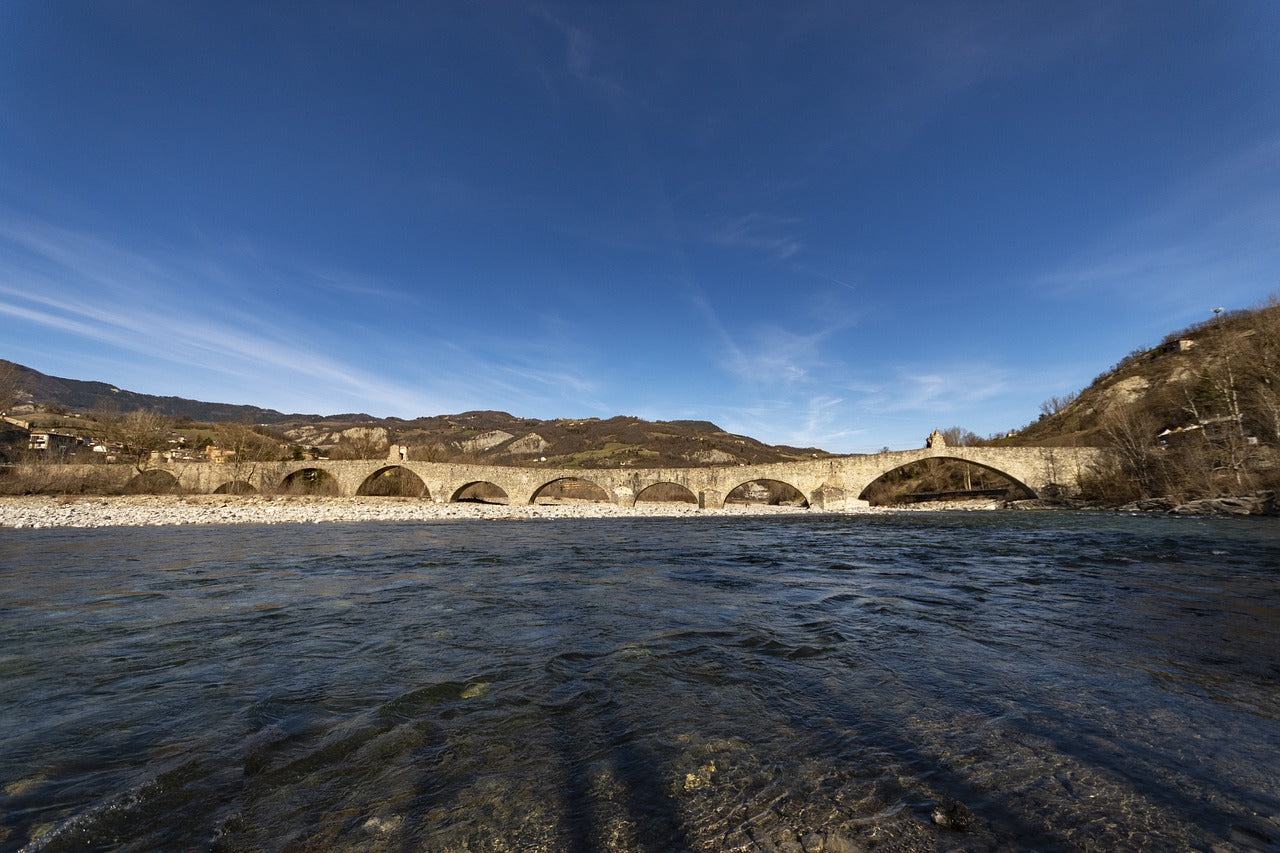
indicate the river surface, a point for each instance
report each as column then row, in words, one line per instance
column 918, row 681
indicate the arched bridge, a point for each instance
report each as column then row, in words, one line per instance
column 834, row 482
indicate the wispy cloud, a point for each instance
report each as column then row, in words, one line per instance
column 81, row 285
column 773, row 235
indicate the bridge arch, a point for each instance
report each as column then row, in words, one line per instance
column 570, row 489
column 1017, row 484
column 767, row 492
column 480, row 492
column 666, row 492
column 153, row 482
column 395, row 481
column 310, row 481
column 235, row 487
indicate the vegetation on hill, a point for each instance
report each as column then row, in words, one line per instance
column 104, row 413
column 1197, row 415
column 498, row 438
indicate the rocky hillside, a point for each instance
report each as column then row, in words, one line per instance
column 1225, row 368
column 1195, row 417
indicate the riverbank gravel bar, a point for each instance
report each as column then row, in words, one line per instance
column 147, row 510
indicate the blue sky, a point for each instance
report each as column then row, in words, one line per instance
column 831, row 224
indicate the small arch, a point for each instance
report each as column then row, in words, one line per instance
column 666, row 493
column 481, row 492
column 393, row 481
column 943, row 478
column 235, row 487
column 153, row 482
column 570, row 490
column 310, row 481
column 764, row 492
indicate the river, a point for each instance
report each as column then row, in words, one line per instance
column 915, row 681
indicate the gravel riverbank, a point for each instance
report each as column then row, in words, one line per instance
column 150, row 510
column 31, row 512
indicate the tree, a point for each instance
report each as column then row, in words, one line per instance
column 1056, row 404
column 1131, row 433
column 1215, row 400
column 956, row 436
column 142, row 433
column 362, row 443
column 1261, row 368
column 248, row 449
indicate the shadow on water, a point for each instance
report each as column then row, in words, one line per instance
column 1186, row 794
column 1156, row 776
column 651, row 814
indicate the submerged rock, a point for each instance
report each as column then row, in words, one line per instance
column 950, row 814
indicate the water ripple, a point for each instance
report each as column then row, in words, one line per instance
column 822, row 683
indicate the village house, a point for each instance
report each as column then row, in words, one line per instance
column 46, row 441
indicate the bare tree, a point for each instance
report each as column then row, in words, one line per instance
column 1216, row 402
column 1056, row 404
column 142, row 433
column 1131, row 433
column 362, row 443
column 1261, row 368
column 247, row 450
column 956, row 436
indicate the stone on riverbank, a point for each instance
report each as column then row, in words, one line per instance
column 1258, row 503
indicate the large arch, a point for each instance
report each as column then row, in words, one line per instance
column 570, row 489
column 1016, row 484
column 766, row 492
column 666, row 492
column 153, row 482
column 481, row 492
column 310, row 481
column 235, row 487
column 394, row 481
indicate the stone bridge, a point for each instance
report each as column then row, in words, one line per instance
column 834, row 482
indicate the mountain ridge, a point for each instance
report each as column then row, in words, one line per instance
column 484, row 436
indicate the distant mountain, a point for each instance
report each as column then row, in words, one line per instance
column 499, row 438
column 35, row 388
column 481, row 437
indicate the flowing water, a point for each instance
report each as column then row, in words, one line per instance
column 965, row 681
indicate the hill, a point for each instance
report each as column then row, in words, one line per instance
column 33, row 390
column 499, row 438
column 483, row 437
column 1225, row 367
column 1196, row 415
